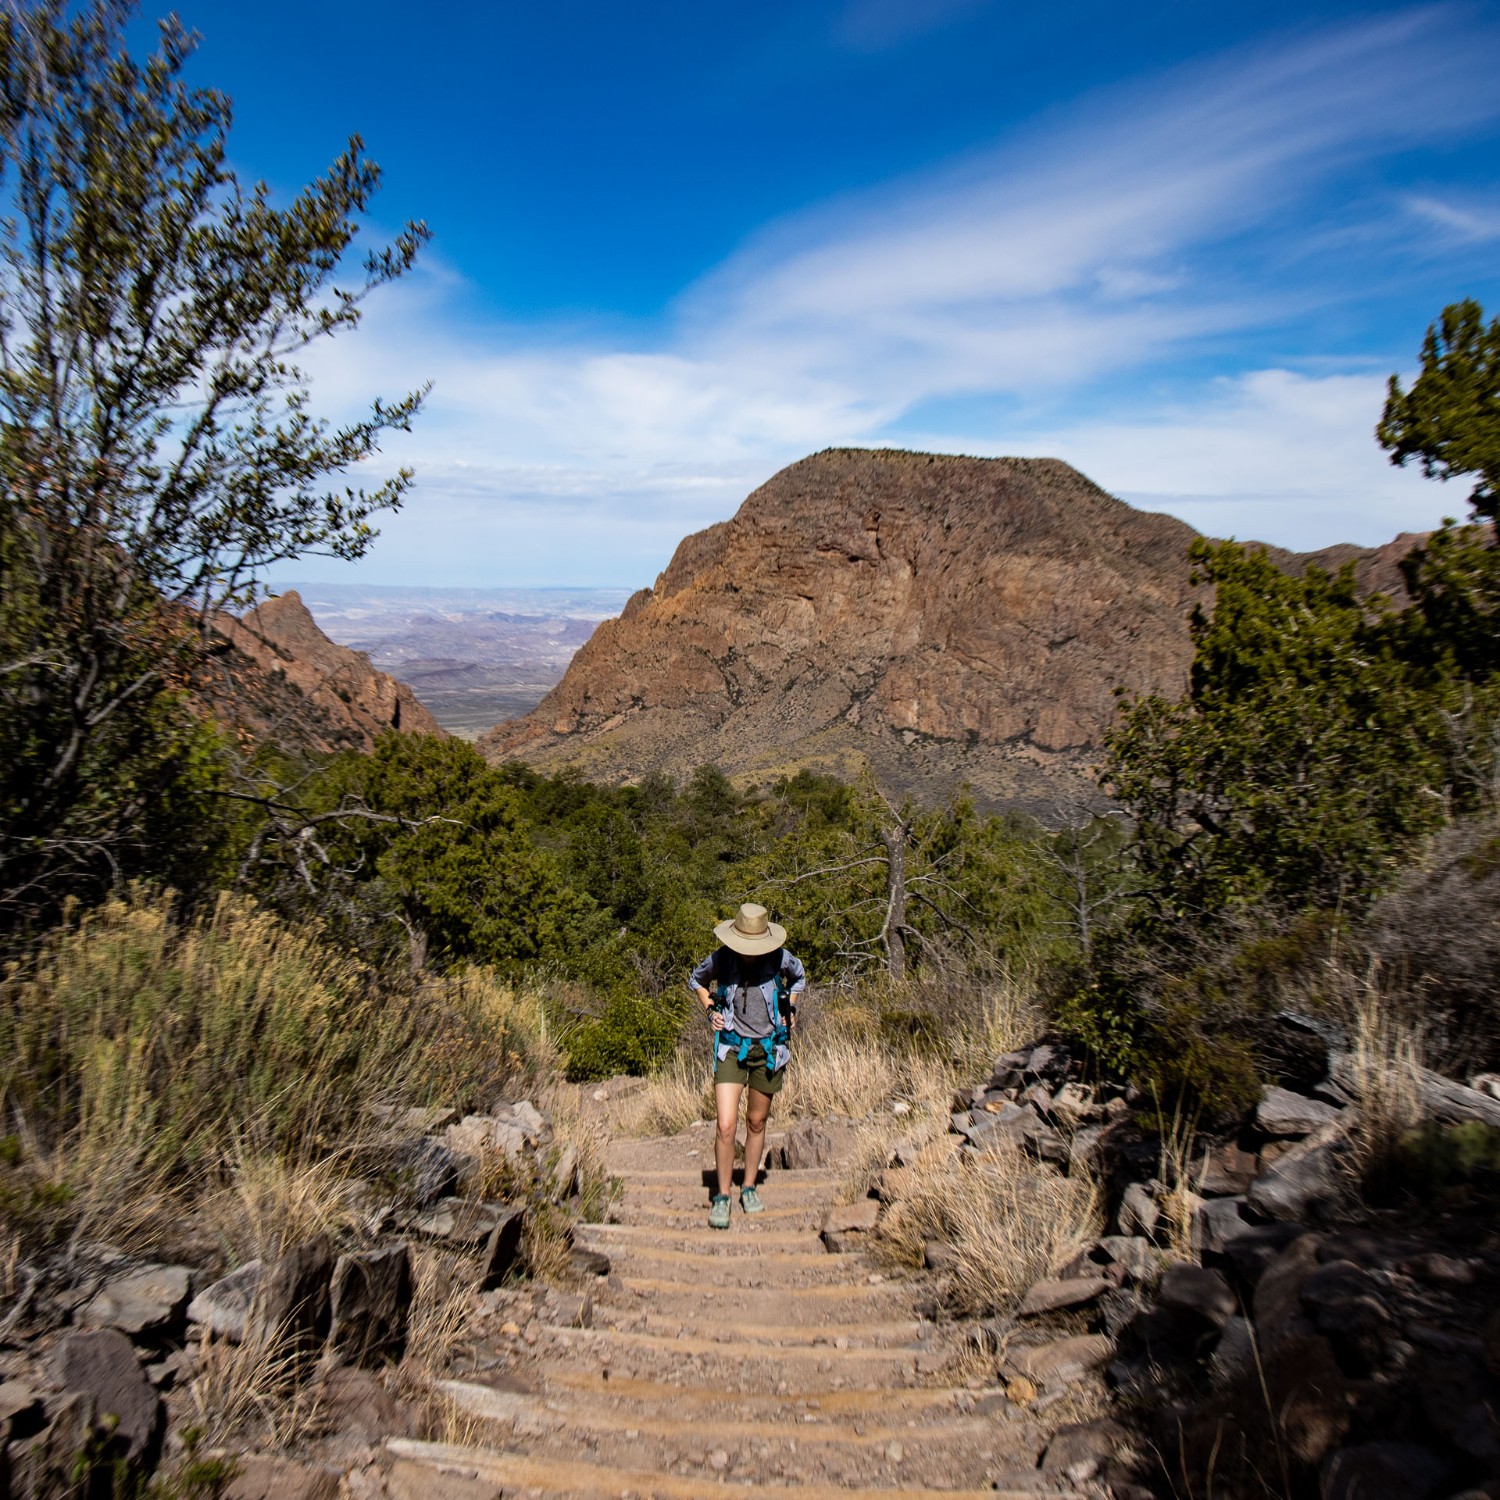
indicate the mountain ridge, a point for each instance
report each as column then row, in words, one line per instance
column 942, row 621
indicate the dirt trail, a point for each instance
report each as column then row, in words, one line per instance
column 749, row 1357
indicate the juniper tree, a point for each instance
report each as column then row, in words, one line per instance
column 158, row 443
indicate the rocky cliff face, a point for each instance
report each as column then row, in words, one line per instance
column 283, row 678
column 941, row 620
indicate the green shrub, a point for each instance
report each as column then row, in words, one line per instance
column 1435, row 1157
column 633, row 1035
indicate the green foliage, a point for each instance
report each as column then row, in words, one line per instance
column 157, row 444
column 1450, row 418
column 635, row 1034
column 1307, row 757
column 1435, row 1157
column 429, row 835
column 141, row 1049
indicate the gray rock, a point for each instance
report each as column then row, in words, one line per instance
column 502, row 1247
column 861, row 1216
column 1368, row 1470
column 369, row 1299
column 1277, row 1304
column 1080, row 1450
column 1134, row 1252
column 572, row 1310
column 1227, row 1172
column 462, row 1221
column 292, row 1310
column 526, row 1115
column 264, row 1478
column 1084, row 1150
column 1305, row 1183
column 1199, row 1293
column 1281, row 1112
column 224, row 1307
column 21, row 1412
column 1250, row 1253
column 1139, row 1213
column 1053, row 1296
column 431, row 1167
column 102, row 1366
column 1217, row 1221
column 589, row 1262
column 807, row 1145
column 564, row 1175
column 1042, row 1061
column 1063, row 1361
column 148, row 1301
column 1345, row 1305
column 938, row 1255
column 1043, row 1142
column 1234, row 1354
column 49, row 1463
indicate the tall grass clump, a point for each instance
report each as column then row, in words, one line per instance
column 1010, row 1222
column 148, row 1059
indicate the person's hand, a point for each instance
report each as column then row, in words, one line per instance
column 716, row 1019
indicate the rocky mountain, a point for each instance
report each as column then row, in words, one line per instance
column 943, row 621
column 281, row 677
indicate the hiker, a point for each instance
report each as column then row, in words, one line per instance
column 748, row 988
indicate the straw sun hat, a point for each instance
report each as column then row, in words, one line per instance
column 751, row 932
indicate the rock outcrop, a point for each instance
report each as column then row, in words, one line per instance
column 282, row 677
column 941, row 620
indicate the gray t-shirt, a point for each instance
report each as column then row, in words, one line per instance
column 752, row 984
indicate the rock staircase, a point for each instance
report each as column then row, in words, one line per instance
column 749, row 1358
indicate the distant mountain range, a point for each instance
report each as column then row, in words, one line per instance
column 941, row 621
column 472, row 656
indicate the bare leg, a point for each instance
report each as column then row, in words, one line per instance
column 727, row 1102
column 757, row 1111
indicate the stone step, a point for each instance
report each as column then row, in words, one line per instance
column 668, row 1413
column 745, row 1233
column 588, row 1481
column 750, row 1348
column 830, row 1305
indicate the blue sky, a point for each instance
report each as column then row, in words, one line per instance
column 678, row 246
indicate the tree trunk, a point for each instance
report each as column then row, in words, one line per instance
column 894, row 840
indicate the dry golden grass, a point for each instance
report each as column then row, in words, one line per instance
column 270, row 1204
column 1386, row 1056
column 250, row 1390
column 671, row 1099
column 1009, row 1220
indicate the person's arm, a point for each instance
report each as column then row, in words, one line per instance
column 793, row 966
column 698, row 982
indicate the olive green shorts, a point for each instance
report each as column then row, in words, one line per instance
column 751, row 1072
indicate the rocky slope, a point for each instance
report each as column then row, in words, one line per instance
column 282, row 678
column 941, row 620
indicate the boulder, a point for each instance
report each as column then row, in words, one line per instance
column 224, row 1307
column 1139, row 1212
column 1277, row 1304
column 1367, row 1470
column 102, row 1366
column 571, row 1309
column 807, row 1145
column 526, row 1115
column 1305, row 1183
column 264, row 1478
column 430, row 1166
column 292, row 1309
column 149, row 1301
column 589, row 1262
column 1234, row 1353
column 476, row 1134
column 857, row 1217
column 1345, row 1305
column 369, row 1299
column 1216, row 1222
column 1079, row 1451
column 1281, row 1112
column 1063, row 1361
column 502, row 1246
column 1136, row 1254
column 1054, row 1296
column 1227, row 1172
column 21, row 1410
column 1198, row 1293
column 1250, row 1253
column 461, row 1221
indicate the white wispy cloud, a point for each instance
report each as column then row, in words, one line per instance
column 1156, row 222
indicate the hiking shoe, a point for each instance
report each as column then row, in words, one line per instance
column 718, row 1215
column 750, row 1201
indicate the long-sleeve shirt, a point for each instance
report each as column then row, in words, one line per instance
column 752, row 991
